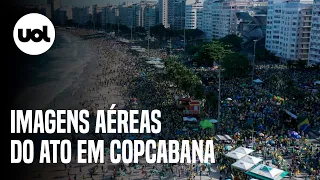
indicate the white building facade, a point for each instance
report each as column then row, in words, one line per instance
column 193, row 15
column 219, row 17
column 163, row 13
column 314, row 51
column 288, row 29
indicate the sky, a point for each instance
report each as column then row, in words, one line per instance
column 83, row 2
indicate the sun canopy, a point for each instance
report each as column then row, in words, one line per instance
column 251, row 159
column 206, row 124
column 235, row 155
column 264, row 172
column 213, row 120
column 190, row 119
column 258, row 81
column 242, row 165
column 243, row 150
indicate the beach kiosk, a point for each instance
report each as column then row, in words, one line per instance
column 191, row 108
column 264, row 172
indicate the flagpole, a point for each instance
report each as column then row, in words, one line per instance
column 219, row 95
column 149, row 36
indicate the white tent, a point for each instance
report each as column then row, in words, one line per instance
column 213, row 121
column 317, row 82
column 228, row 137
column 235, row 155
column 251, row 159
column 262, row 171
column 242, row 165
column 220, row 138
column 243, row 150
column 258, row 81
column 190, row 119
column 159, row 66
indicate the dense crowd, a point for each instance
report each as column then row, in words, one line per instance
column 125, row 74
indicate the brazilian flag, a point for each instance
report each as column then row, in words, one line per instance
column 303, row 123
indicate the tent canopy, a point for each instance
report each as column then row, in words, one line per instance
column 213, row 120
column 206, row 124
column 258, row 81
column 242, row 165
column 235, row 155
column 190, row 119
column 223, row 137
column 317, row 83
column 264, row 172
column 251, row 159
column 243, row 150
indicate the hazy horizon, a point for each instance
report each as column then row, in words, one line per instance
column 85, row 2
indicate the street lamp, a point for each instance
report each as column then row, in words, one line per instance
column 219, row 93
column 254, row 58
column 149, row 34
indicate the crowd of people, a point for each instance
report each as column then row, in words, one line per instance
column 123, row 78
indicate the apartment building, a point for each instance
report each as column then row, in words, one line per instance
column 109, row 15
column 219, row 17
column 163, row 13
column 179, row 14
column 288, row 29
column 314, row 51
column 82, row 15
column 194, row 15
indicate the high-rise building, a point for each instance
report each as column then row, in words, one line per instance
column 149, row 16
column 288, row 29
column 163, row 13
column 63, row 15
column 179, row 14
column 82, row 15
column 109, row 15
column 219, row 17
column 55, row 5
column 129, row 14
column 314, row 51
column 45, row 9
column 193, row 15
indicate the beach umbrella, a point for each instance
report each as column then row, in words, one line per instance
column 227, row 148
column 229, row 99
column 134, row 99
column 271, row 142
column 206, row 124
column 261, row 134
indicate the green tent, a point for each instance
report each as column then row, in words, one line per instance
column 264, row 172
column 206, row 124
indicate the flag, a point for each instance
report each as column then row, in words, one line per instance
column 303, row 124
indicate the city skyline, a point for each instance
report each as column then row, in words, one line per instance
column 87, row 2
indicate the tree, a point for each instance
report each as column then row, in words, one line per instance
column 192, row 33
column 262, row 54
column 236, row 65
column 158, row 31
column 212, row 52
column 301, row 64
column 184, row 77
column 232, row 40
column 212, row 100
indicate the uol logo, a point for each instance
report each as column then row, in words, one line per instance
column 34, row 34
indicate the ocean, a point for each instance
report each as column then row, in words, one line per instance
column 50, row 76
column 46, row 76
